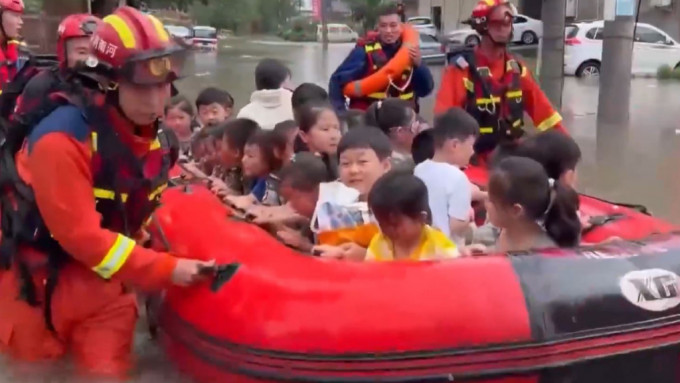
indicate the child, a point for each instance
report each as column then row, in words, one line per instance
column 558, row 153
column 449, row 190
column 231, row 137
column 214, row 106
column 262, row 159
column 307, row 92
column 397, row 119
column 364, row 156
column 398, row 201
column 319, row 132
column 531, row 210
column 288, row 129
column 179, row 117
column 423, row 147
column 271, row 102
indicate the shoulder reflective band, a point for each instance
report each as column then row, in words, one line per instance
column 549, row 122
column 116, row 257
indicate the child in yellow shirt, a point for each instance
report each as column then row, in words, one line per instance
column 399, row 203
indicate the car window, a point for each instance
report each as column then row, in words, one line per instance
column 519, row 20
column 428, row 39
column 571, row 31
column 346, row 30
column 646, row 35
column 205, row 33
column 594, row 34
column 419, row 22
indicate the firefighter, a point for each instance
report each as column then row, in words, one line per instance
column 493, row 86
column 90, row 175
column 12, row 51
column 373, row 53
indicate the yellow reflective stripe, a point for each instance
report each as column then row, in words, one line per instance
column 405, row 96
column 123, row 30
column 155, row 144
column 486, row 130
column 514, row 94
column 159, row 28
column 483, row 101
column 94, row 142
column 550, row 122
column 524, row 71
column 108, row 194
column 158, row 191
column 517, row 123
column 116, row 257
column 374, row 47
column 469, row 85
column 16, row 42
column 490, row 3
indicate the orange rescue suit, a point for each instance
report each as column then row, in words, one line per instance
column 92, row 316
column 460, row 88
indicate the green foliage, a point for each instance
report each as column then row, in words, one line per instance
column 366, row 11
column 241, row 15
column 676, row 73
column 664, row 72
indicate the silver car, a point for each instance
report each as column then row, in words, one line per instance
column 431, row 49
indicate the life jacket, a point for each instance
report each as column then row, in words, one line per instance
column 400, row 87
column 497, row 105
column 127, row 190
column 12, row 58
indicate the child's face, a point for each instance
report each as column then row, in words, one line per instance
column 229, row 156
column 253, row 162
column 325, row 135
column 213, row 114
column 360, row 168
column 500, row 214
column 459, row 152
column 303, row 202
column 403, row 229
column 179, row 121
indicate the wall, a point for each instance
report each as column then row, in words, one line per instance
column 453, row 12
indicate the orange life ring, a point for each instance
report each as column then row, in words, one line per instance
column 380, row 80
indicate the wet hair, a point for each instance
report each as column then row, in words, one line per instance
column 270, row 74
column 454, row 124
column 390, row 113
column 236, row 132
column 523, row 181
column 556, row 151
column 181, row 103
column 305, row 173
column 284, row 127
column 366, row 138
column 272, row 145
column 307, row 92
column 354, row 118
column 423, row 146
column 398, row 193
column 214, row 95
column 387, row 9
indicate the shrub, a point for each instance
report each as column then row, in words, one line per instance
column 665, row 72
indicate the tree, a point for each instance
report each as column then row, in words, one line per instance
column 365, row 12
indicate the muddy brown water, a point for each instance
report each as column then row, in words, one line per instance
column 635, row 164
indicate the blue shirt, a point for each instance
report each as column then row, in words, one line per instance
column 259, row 188
column 355, row 68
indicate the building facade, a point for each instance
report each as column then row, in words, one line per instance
column 448, row 15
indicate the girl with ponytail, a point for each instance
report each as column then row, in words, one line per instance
column 532, row 210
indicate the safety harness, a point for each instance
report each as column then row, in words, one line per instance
column 498, row 106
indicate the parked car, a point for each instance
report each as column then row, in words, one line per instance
column 205, row 37
column 583, row 49
column 431, row 49
column 338, row 33
column 181, row 33
column 525, row 31
column 424, row 25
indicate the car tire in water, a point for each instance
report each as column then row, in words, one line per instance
column 472, row 41
column 589, row 69
column 529, row 38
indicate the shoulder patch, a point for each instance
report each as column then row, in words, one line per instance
column 65, row 119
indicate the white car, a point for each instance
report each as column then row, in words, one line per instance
column 338, row 33
column 424, row 25
column 583, row 49
column 525, row 30
column 180, row 32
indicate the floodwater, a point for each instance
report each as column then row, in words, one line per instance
column 635, row 164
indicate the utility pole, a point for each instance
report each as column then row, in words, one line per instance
column 324, row 25
column 551, row 71
column 617, row 61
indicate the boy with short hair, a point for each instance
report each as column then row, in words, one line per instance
column 230, row 138
column 271, row 102
column 214, row 106
column 449, row 190
column 364, row 156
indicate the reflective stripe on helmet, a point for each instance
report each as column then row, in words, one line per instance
column 124, row 32
column 162, row 33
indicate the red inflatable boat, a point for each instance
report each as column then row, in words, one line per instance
column 608, row 219
column 606, row 314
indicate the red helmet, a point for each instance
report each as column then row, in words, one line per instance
column 73, row 26
column 12, row 5
column 135, row 46
column 481, row 12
